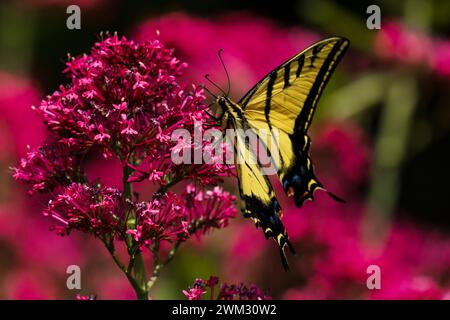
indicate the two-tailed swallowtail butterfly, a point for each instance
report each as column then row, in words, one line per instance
column 284, row 100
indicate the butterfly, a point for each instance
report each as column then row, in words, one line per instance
column 284, row 102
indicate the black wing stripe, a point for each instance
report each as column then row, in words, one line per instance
column 270, row 84
column 315, row 52
column 300, row 62
column 302, row 121
column 287, row 73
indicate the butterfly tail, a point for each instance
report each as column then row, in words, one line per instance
column 284, row 260
column 335, row 197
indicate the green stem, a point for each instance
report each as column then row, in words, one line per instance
column 141, row 278
column 390, row 151
column 127, row 188
column 136, row 263
column 141, row 294
column 136, row 266
column 159, row 265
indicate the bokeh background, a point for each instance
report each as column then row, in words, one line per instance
column 381, row 137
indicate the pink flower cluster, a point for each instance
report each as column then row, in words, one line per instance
column 124, row 101
column 226, row 291
column 85, row 297
column 95, row 209
column 398, row 42
column 172, row 217
column 49, row 166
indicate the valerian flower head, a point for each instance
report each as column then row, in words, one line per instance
column 94, row 209
column 124, row 101
column 206, row 210
column 51, row 165
column 226, row 292
column 85, row 297
column 241, row 292
column 120, row 96
column 173, row 218
column 197, row 290
column 159, row 220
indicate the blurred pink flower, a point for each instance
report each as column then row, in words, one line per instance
column 29, row 285
column 85, row 297
column 440, row 60
column 398, row 42
column 110, row 286
column 346, row 145
column 248, row 53
column 17, row 95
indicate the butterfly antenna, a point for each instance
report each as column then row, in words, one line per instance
column 214, row 84
column 226, row 71
column 212, row 94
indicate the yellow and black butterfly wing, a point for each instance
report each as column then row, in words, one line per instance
column 257, row 194
column 285, row 100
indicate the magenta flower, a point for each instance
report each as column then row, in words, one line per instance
column 85, row 297
column 207, row 210
column 51, row 165
column 101, row 108
column 16, row 97
column 172, row 218
column 124, row 102
column 226, row 292
column 440, row 60
column 96, row 209
column 400, row 43
column 197, row 290
column 160, row 220
column 397, row 42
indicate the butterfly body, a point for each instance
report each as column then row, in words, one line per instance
column 281, row 106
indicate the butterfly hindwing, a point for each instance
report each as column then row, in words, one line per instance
column 260, row 203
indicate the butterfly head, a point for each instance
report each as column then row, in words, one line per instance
column 227, row 105
column 222, row 102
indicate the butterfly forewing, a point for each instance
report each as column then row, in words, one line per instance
column 286, row 98
column 285, row 101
